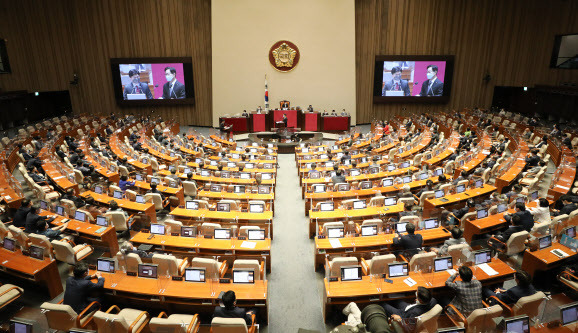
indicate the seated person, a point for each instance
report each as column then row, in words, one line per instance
column 428, row 187
column 526, row 218
column 405, row 192
column 174, row 176
column 36, row 177
column 403, row 310
column 92, row 207
column 455, row 240
column 33, row 219
column 532, row 159
column 515, row 226
column 113, row 207
column 542, row 212
column 190, row 178
column 338, row 178
column 470, row 207
column 230, row 309
column 407, row 210
column 410, row 242
column 19, row 219
column 128, row 247
column 50, row 233
column 523, row 288
column 468, row 292
column 79, row 289
column 124, row 183
column 154, row 189
column 567, row 206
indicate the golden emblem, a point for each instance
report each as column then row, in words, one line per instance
column 284, row 56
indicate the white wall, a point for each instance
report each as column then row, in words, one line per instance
column 243, row 31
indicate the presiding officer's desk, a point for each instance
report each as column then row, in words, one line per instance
column 319, row 217
column 190, row 247
column 182, row 296
column 365, row 246
column 87, row 232
column 376, row 290
column 458, row 198
column 147, row 208
column 44, row 271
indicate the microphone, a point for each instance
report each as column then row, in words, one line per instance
column 415, row 83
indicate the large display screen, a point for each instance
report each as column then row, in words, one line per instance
column 413, row 79
column 152, row 81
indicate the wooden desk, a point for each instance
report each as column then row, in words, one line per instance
column 178, row 192
column 8, row 193
column 451, row 148
column 230, row 144
column 543, row 260
column 375, row 290
column 512, row 173
column 190, row 247
column 147, row 208
column 44, row 271
column 57, row 178
column 182, row 296
column 454, row 199
column 88, row 232
column 115, row 148
column 213, row 215
column 564, row 176
column 243, row 197
column 365, row 246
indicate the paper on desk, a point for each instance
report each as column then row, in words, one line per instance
column 7, row 197
column 335, row 243
column 55, row 178
column 248, row 245
column 563, row 187
column 451, row 271
column 488, row 270
column 410, row 282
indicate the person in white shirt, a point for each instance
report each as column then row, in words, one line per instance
column 542, row 212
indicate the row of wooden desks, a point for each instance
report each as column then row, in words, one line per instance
column 364, row 246
column 514, row 171
column 458, row 198
column 147, row 208
column 181, row 296
column 227, row 249
column 376, row 290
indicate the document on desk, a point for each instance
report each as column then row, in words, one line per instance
column 451, row 271
column 563, row 187
column 488, row 270
column 248, row 245
column 410, row 282
column 335, row 243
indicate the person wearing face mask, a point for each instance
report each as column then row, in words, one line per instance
column 135, row 86
column 396, row 83
column 433, row 86
column 173, row 88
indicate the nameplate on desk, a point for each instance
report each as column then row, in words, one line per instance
column 175, row 234
column 208, row 236
column 224, row 280
column 99, row 230
column 333, row 279
column 131, row 273
column 321, row 237
column 241, row 238
column 177, row 278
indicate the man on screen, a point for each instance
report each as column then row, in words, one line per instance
column 433, row 86
column 173, row 88
column 396, row 84
column 135, row 86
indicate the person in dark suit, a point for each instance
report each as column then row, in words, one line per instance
column 526, row 218
column 285, row 120
column 396, row 84
column 433, row 86
column 135, row 86
column 568, row 206
column 230, row 309
column 523, row 288
column 173, row 88
column 19, row 219
column 515, row 226
column 403, row 310
column 410, row 242
column 532, row 159
column 32, row 219
column 79, row 289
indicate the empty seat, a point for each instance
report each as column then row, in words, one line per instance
column 9, row 293
column 169, row 264
column 208, row 229
column 125, row 320
column 175, row 323
column 333, row 267
column 62, row 317
column 63, row 251
column 377, row 264
column 213, row 268
column 250, row 264
column 231, row 325
column 422, row 261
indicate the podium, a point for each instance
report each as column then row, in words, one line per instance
column 291, row 117
column 311, row 121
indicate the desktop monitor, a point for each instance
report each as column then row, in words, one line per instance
column 249, row 165
column 482, row 257
column 214, row 163
column 9, row 244
column 347, row 162
column 359, row 204
column 351, row 273
column 318, row 188
column 138, row 177
column 462, row 162
column 105, row 265
column 243, row 276
column 438, row 172
column 140, row 199
column 147, row 271
column 80, row 216
column 390, row 167
column 43, row 205
column 369, row 230
column 157, row 229
column 443, row 264
column 569, row 313
column 145, row 160
column 374, row 170
column 320, row 149
column 266, row 176
column 335, row 232
column 397, row 269
column 571, row 232
column 225, row 174
column 423, row 176
column 545, row 241
column 98, row 189
column 329, row 164
column 534, row 195
column 60, row 210
column 222, row 233
column 188, row 231
column 363, row 160
column 404, row 165
column 101, row 221
column 343, row 187
column 400, row 150
column 256, row 234
column 400, row 227
column 205, row 173
column 239, row 189
column 460, row 188
column 430, row 224
column 406, row 179
column 215, row 188
column 195, row 274
column 264, row 189
column 520, row 200
column 244, row 175
column 186, row 171
column 36, row 252
column 191, row 205
column 482, row 213
column 326, row 206
column 304, row 150
column 364, row 185
column 223, row 207
column 256, row 208
column 502, row 208
column 19, row 326
column 387, row 182
column 118, row 194
column 519, row 324
column 439, row 193
column 171, row 168
column 231, row 164
column 354, row 172
column 389, row 201
column 479, row 183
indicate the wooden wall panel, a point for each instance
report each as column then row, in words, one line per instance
column 511, row 40
column 48, row 41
